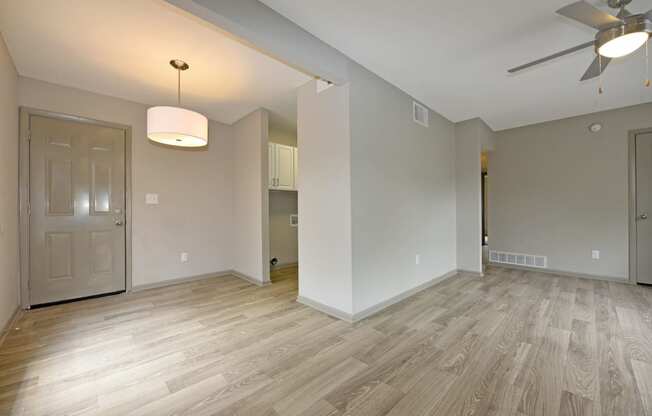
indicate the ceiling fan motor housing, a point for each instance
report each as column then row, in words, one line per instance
column 632, row 24
column 617, row 4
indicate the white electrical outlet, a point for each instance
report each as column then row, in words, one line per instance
column 151, row 199
column 595, row 254
column 184, row 257
column 417, row 259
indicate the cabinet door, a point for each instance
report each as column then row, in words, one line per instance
column 296, row 168
column 271, row 152
column 284, row 167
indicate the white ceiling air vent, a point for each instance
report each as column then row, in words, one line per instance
column 526, row 260
column 420, row 114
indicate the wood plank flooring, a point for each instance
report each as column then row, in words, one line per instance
column 512, row 343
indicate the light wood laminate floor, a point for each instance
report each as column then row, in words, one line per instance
column 511, row 343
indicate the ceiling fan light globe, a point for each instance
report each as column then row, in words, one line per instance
column 623, row 45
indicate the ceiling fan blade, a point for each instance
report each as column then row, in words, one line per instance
column 550, row 57
column 624, row 13
column 595, row 67
column 587, row 14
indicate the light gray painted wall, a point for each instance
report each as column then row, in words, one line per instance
column 471, row 138
column 469, row 203
column 325, row 197
column 283, row 237
column 9, row 279
column 250, row 196
column 195, row 187
column 559, row 190
column 402, row 192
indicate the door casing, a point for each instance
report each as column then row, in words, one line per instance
column 633, row 260
column 24, row 193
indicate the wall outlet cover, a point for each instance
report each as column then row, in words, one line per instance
column 151, row 199
column 417, row 259
column 595, row 254
column 184, row 257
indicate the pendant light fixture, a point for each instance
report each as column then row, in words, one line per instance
column 176, row 126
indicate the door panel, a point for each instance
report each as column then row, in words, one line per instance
column 285, row 167
column 59, row 198
column 77, row 195
column 644, row 207
column 59, row 255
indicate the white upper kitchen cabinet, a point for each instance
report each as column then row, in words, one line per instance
column 282, row 167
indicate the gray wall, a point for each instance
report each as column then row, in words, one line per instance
column 402, row 192
column 283, row 241
column 195, row 187
column 559, row 190
column 325, row 197
column 9, row 294
column 250, row 197
column 472, row 137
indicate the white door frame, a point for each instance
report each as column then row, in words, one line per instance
column 633, row 260
column 24, row 192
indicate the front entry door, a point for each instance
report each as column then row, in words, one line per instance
column 77, row 204
column 644, row 208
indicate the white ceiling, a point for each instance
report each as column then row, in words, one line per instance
column 454, row 55
column 122, row 49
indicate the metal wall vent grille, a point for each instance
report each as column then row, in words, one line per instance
column 526, row 260
column 420, row 114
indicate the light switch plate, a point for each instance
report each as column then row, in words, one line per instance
column 417, row 259
column 184, row 257
column 151, row 199
column 595, row 254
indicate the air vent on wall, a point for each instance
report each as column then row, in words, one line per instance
column 420, row 114
column 294, row 220
column 525, row 260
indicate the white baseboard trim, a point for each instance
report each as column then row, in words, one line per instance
column 281, row 266
column 336, row 313
column 471, row 272
column 179, row 280
column 376, row 308
column 11, row 323
column 562, row 273
column 248, row 278
column 401, row 296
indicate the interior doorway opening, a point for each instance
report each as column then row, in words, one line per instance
column 283, row 161
column 484, row 163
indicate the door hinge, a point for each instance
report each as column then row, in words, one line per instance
column 29, row 209
column 29, row 136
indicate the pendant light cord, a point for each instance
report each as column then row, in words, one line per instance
column 647, row 65
column 600, row 90
column 179, row 87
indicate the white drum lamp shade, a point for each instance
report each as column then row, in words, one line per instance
column 177, row 126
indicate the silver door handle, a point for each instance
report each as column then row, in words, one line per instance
column 118, row 222
column 643, row 217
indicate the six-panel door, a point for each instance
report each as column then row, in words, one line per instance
column 77, row 197
column 644, row 208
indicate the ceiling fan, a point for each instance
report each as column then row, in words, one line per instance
column 617, row 35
